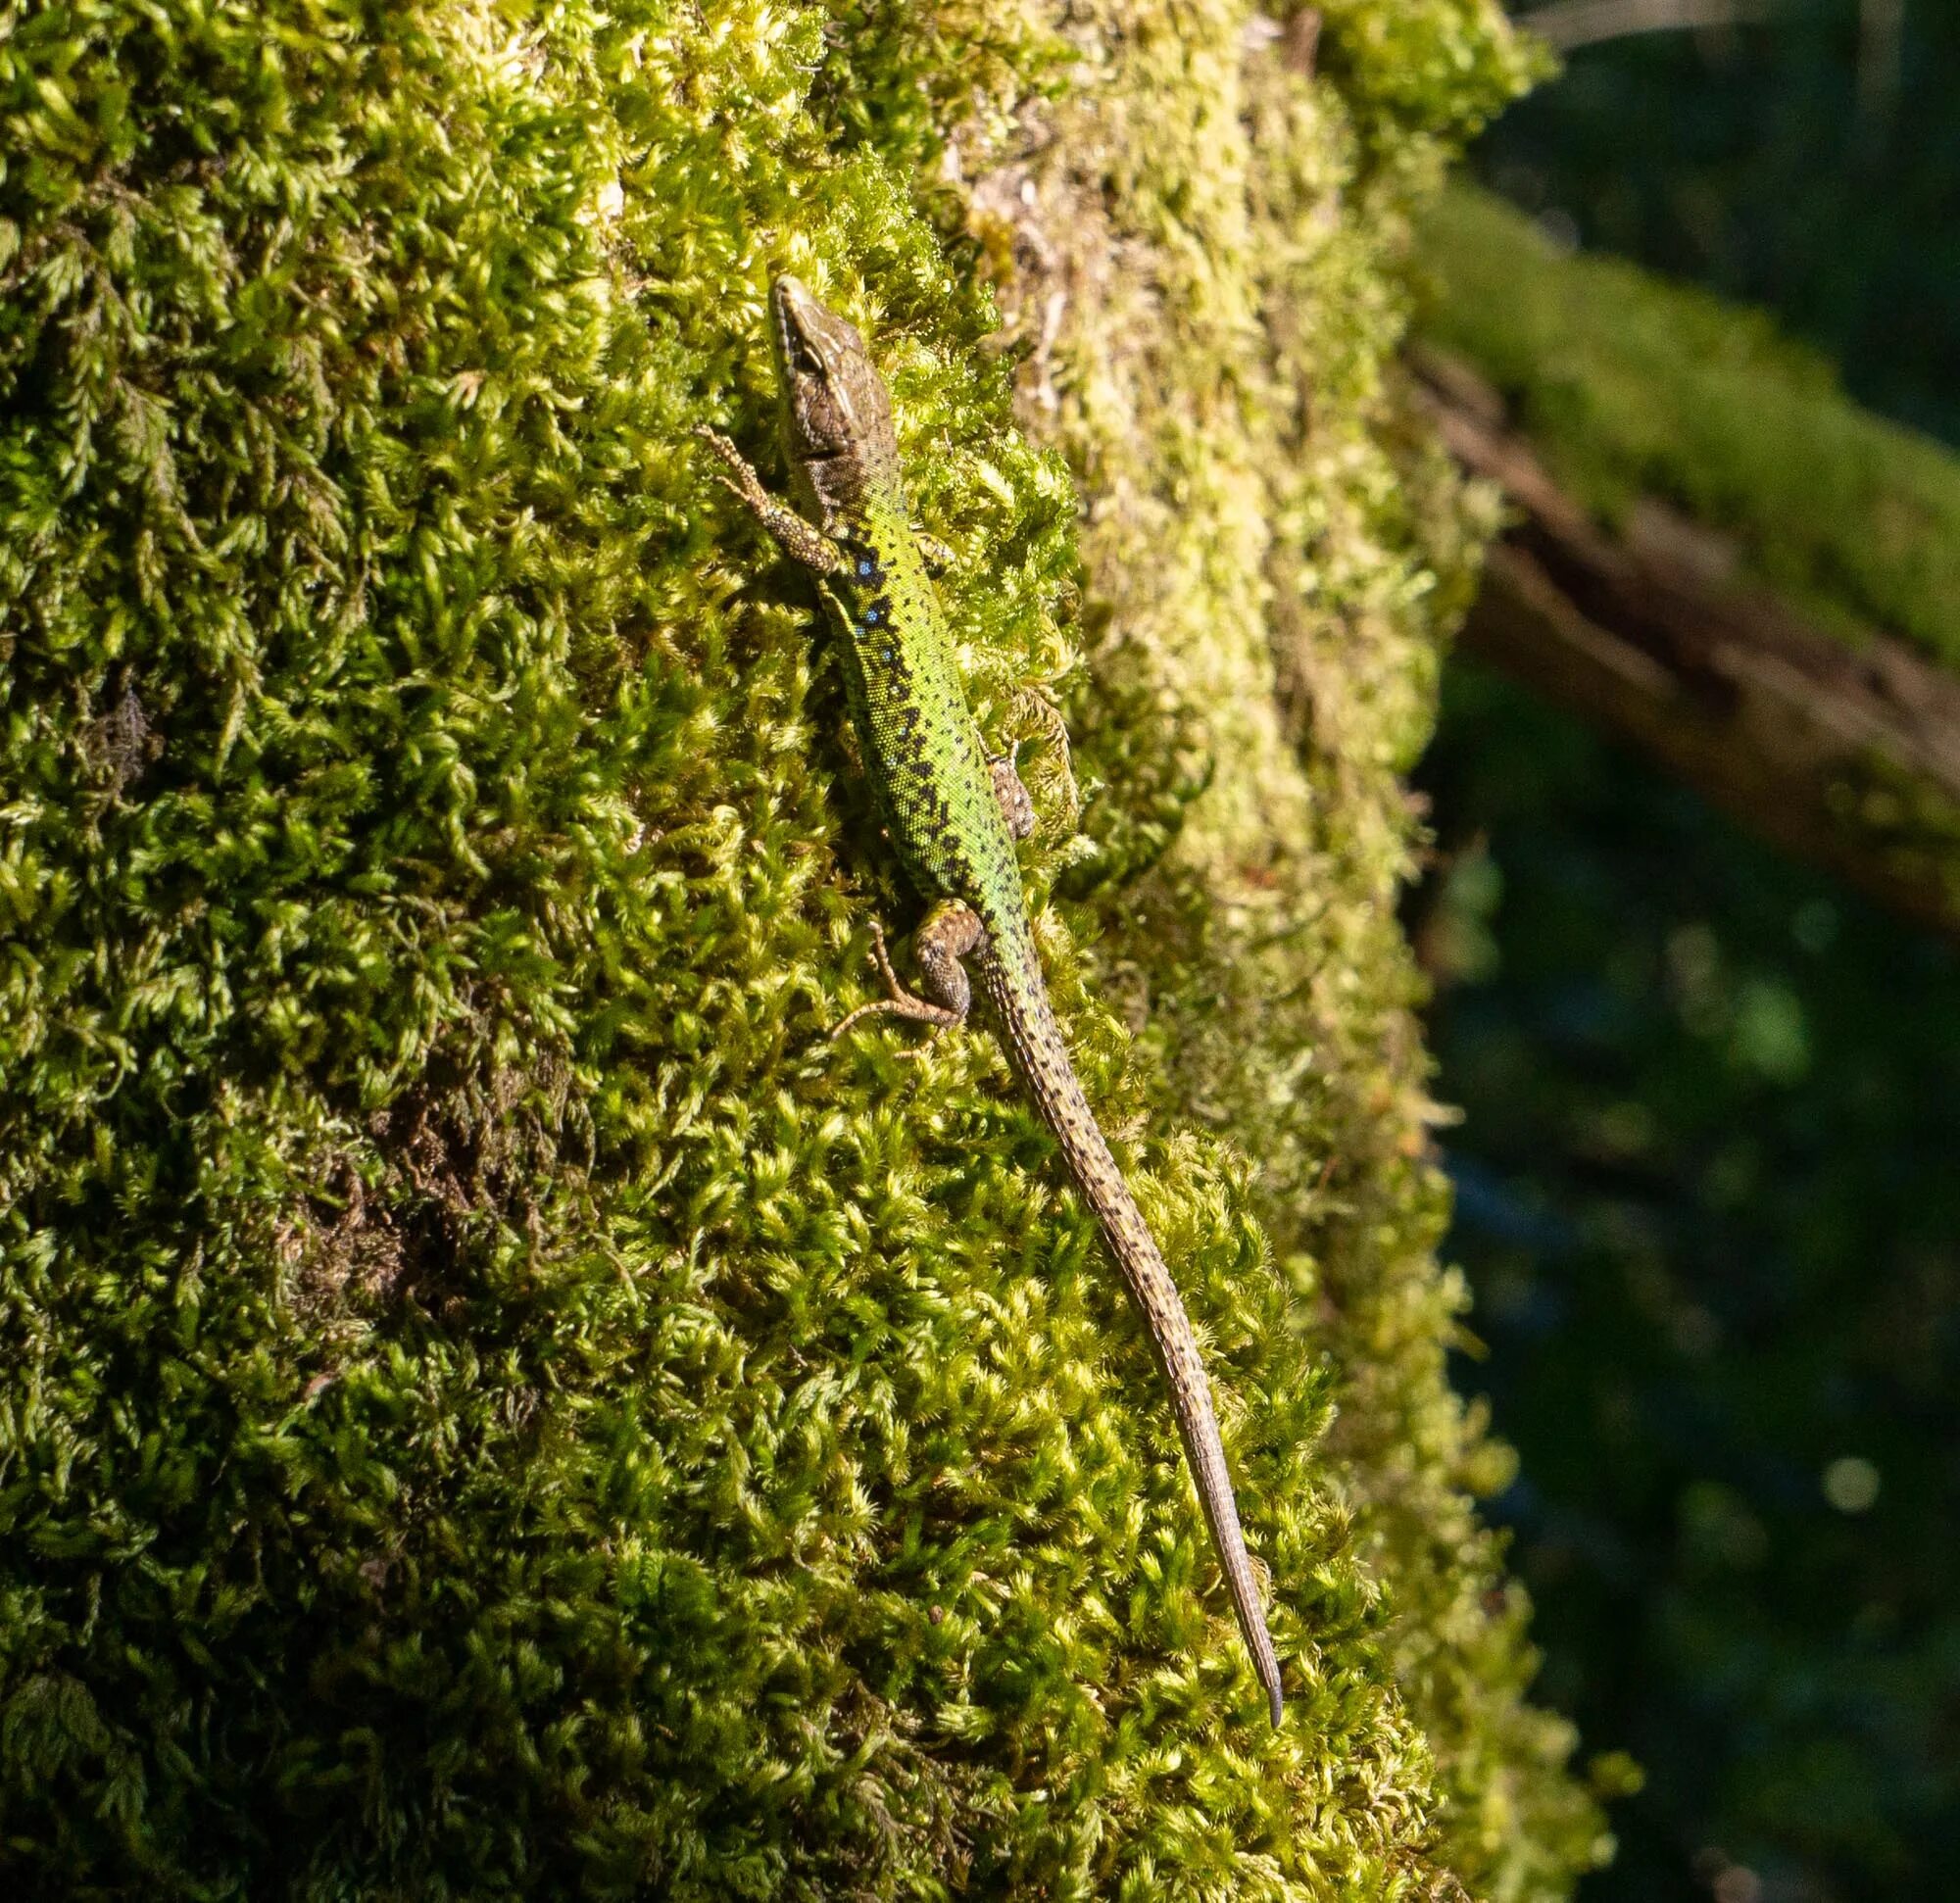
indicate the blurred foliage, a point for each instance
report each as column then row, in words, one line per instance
column 1707, row 1198
column 1808, row 163
column 494, row 1401
column 1706, row 1192
column 1630, row 385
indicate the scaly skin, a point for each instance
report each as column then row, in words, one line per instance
column 955, row 815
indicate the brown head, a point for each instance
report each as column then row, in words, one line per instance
column 837, row 417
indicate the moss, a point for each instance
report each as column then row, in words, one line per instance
column 1631, row 386
column 495, row 1400
column 1910, row 828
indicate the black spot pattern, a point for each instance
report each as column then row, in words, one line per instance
column 948, row 820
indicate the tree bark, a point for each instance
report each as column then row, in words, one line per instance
column 1845, row 749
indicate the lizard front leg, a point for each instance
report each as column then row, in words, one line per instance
column 951, row 932
column 785, row 527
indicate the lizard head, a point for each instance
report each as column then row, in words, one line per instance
column 837, row 417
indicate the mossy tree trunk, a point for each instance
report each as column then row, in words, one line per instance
column 493, row 1399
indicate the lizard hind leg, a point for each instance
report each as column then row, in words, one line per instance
column 1017, row 806
column 951, row 932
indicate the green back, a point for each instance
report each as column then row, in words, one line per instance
column 921, row 743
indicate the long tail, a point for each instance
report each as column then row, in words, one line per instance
column 1020, row 997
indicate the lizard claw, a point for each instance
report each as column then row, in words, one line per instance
column 719, row 443
column 897, row 1002
column 791, row 533
column 742, row 484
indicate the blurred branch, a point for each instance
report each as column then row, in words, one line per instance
column 1570, row 24
column 1847, row 755
column 1881, row 53
column 1567, row 25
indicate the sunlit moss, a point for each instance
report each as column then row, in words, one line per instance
column 494, row 1399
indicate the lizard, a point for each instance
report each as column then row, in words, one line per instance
column 955, row 813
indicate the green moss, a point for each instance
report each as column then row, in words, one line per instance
column 1634, row 386
column 1911, row 829
column 494, row 1399
column 1413, row 71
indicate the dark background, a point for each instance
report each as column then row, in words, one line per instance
column 1793, row 165
column 1709, row 1177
